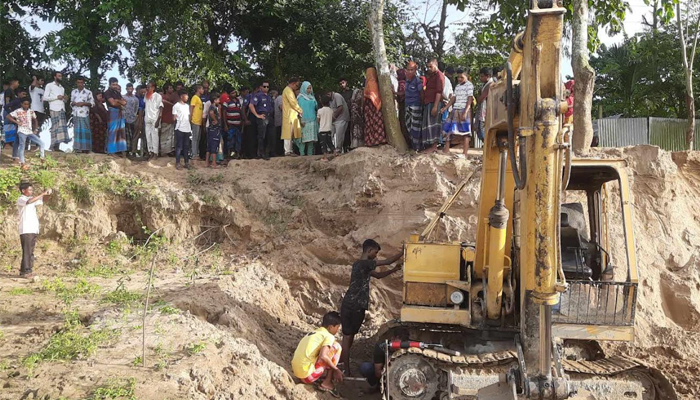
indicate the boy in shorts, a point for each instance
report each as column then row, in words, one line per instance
column 356, row 300
column 457, row 122
column 318, row 353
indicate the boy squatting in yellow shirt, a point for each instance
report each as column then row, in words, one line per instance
column 317, row 353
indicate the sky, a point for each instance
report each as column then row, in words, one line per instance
column 632, row 25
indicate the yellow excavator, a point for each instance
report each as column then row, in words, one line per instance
column 519, row 314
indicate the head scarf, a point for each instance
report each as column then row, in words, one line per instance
column 372, row 88
column 302, row 91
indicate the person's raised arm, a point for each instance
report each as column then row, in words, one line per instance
column 39, row 197
column 391, row 259
column 384, row 274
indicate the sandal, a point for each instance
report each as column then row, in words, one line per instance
column 333, row 392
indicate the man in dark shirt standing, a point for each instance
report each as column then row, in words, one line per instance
column 432, row 101
column 356, row 300
column 261, row 105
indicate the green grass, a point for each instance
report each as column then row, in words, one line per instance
column 67, row 293
column 122, row 297
column 73, row 342
column 20, row 291
column 117, row 247
column 195, row 348
column 169, row 310
column 138, row 361
column 97, row 271
column 195, row 179
column 116, row 389
column 218, row 178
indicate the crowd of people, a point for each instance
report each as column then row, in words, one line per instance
column 147, row 121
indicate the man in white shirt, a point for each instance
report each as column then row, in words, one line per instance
column 28, row 225
column 154, row 110
column 36, row 92
column 183, row 130
column 55, row 96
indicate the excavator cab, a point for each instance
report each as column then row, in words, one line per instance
column 601, row 296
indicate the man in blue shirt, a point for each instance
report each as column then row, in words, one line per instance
column 414, row 108
column 261, row 108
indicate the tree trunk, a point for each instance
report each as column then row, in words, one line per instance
column 94, row 66
column 690, row 104
column 440, row 51
column 585, row 79
column 391, row 120
column 688, row 60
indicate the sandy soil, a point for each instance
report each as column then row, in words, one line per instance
column 258, row 251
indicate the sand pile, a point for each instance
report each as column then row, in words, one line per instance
column 286, row 232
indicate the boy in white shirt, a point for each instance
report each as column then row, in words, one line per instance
column 325, row 122
column 457, row 122
column 28, row 225
column 183, row 130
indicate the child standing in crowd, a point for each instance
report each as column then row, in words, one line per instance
column 457, row 122
column 183, row 130
column 356, row 300
column 318, row 353
column 213, row 131
column 325, row 122
column 27, row 129
column 233, row 124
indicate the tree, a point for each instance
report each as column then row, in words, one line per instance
column 688, row 32
column 435, row 32
column 585, row 78
column 641, row 77
column 391, row 121
column 20, row 52
column 91, row 37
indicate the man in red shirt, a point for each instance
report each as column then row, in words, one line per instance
column 167, row 122
column 432, row 98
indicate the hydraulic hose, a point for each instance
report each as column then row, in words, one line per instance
column 519, row 174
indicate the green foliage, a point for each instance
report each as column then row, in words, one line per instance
column 641, row 77
column 195, row 179
column 169, row 310
column 71, row 343
column 20, row 291
column 195, row 348
column 122, row 297
column 116, row 389
column 9, row 186
column 68, row 294
column 117, row 246
column 97, row 271
column 17, row 45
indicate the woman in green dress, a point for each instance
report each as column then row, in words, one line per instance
column 309, row 124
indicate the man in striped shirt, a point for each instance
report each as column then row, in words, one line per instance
column 233, row 124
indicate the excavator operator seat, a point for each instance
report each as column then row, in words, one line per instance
column 573, row 252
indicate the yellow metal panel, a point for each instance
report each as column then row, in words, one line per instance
column 432, row 262
column 593, row 332
column 435, row 315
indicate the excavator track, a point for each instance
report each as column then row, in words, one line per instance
column 617, row 368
